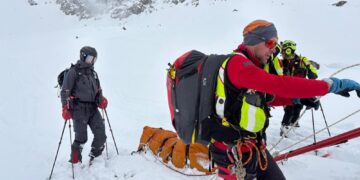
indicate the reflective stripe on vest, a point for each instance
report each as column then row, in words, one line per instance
column 252, row 117
column 277, row 66
column 220, row 92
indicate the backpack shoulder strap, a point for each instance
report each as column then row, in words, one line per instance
column 231, row 91
column 75, row 67
column 77, row 70
column 96, row 77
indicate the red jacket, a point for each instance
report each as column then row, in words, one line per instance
column 247, row 73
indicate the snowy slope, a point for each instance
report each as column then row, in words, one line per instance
column 37, row 42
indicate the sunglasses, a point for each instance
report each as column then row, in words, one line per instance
column 90, row 59
column 270, row 43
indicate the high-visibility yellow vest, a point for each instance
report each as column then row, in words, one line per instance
column 275, row 61
column 304, row 64
column 252, row 117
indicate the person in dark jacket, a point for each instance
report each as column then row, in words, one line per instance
column 243, row 96
column 298, row 66
column 81, row 96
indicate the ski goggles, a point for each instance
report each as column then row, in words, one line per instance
column 90, row 59
column 270, row 43
column 289, row 51
column 291, row 45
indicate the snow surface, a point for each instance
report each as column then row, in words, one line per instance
column 37, row 42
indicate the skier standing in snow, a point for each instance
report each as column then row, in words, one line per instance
column 298, row 66
column 81, row 96
column 242, row 99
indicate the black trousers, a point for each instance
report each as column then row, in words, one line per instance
column 292, row 113
column 84, row 114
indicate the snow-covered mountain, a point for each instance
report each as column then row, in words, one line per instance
column 37, row 42
column 117, row 9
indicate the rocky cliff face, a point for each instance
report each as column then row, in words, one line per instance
column 117, row 9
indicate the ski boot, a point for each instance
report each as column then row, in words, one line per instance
column 75, row 155
column 95, row 152
column 283, row 130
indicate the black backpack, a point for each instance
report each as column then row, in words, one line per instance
column 61, row 76
column 191, row 86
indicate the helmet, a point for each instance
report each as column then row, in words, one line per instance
column 87, row 50
column 288, row 44
column 288, row 48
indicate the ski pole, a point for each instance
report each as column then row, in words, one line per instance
column 72, row 164
column 62, row 133
column 287, row 131
column 322, row 111
column 107, row 153
column 313, row 123
column 106, row 147
column 112, row 134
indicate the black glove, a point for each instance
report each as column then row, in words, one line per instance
column 310, row 103
column 346, row 93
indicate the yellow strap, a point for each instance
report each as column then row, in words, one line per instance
column 193, row 137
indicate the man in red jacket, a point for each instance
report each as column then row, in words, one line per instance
column 243, row 96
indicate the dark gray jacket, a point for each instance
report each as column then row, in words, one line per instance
column 81, row 81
